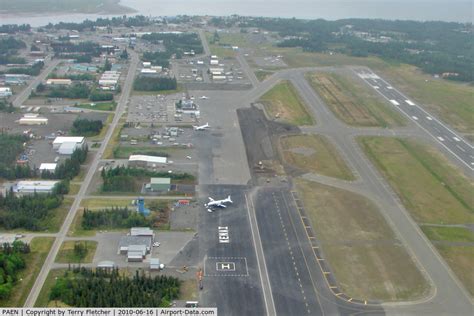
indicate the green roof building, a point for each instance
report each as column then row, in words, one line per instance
column 159, row 184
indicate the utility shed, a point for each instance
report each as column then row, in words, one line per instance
column 159, row 184
column 154, row 264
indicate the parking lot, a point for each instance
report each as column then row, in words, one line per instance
column 157, row 109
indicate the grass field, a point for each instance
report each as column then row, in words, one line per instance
column 66, row 252
column 433, row 191
column 76, row 229
column 53, row 223
column 449, row 100
column 100, row 106
column 263, row 74
column 283, row 101
column 352, row 102
column 314, row 153
column 189, row 290
column 43, row 297
column 40, row 247
column 430, row 188
column 114, row 139
column 460, row 259
column 104, row 203
column 367, row 259
column 450, row 234
column 223, row 48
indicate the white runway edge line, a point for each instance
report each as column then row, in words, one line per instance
column 409, row 102
column 394, row 102
column 269, row 306
column 420, row 108
column 421, row 126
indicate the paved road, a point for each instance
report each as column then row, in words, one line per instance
column 449, row 296
column 454, row 143
column 23, row 95
column 204, row 42
column 33, row 295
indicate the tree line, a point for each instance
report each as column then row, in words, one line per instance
column 115, row 217
column 143, row 83
column 435, row 47
column 28, row 211
column 83, row 287
column 86, row 127
column 126, row 179
column 11, row 263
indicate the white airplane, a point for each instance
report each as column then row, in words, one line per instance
column 204, row 97
column 218, row 203
column 201, row 128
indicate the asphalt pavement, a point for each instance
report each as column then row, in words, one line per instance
column 451, row 140
column 49, row 262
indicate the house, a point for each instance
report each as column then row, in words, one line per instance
column 135, row 247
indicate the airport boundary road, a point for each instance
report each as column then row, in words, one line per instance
column 49, row 262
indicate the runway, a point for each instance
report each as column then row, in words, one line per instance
column 231, row 276
column 454, row 143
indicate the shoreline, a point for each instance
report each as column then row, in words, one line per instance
column 111, row 7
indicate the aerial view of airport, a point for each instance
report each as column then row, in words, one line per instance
column 234, row 164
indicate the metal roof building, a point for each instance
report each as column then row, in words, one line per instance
column 146, row 161
column 28, row 187
column 58, row 141
column 48, row 166
column 127, row 242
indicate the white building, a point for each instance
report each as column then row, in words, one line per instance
column 142, row 231
column 48, row 166
column 146, row 64
column 68, row 148
column 78, row 140
column 146, row 161
column 5, row 92
column 59, row 82
column 29, row 187
column 32, row 119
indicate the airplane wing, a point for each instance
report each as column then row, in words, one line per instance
column 221, row 205
column 211, row 199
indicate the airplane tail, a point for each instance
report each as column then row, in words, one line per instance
column 228, row 198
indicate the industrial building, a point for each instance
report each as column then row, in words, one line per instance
column 32, row 119
column 146, row 161
column 5, row 92
column 29, row 187
column 58, row 82
column 79, row 141
column 135, row 247
column 142, row 231
column 159, row 185
column 48, row 167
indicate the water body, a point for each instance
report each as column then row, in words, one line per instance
column 421, row 10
